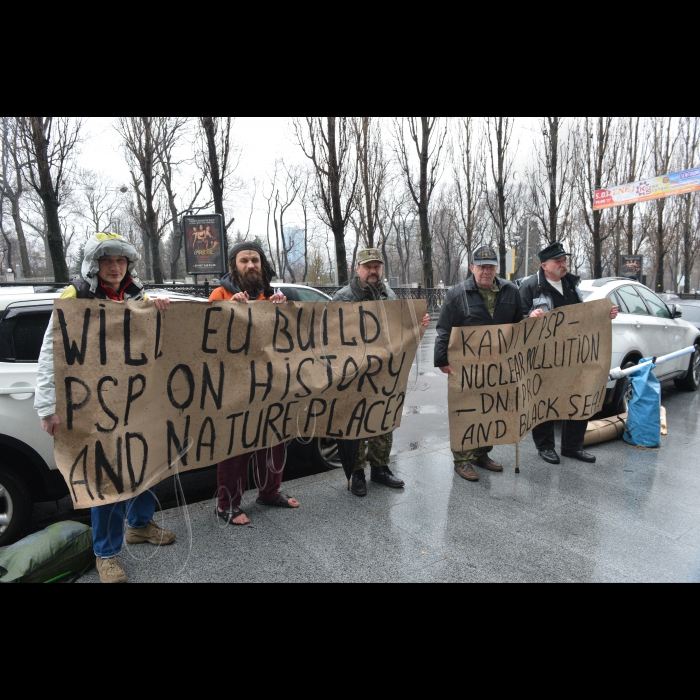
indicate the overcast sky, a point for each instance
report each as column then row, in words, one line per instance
column 262, row 140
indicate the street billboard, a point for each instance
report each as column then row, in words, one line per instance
column 632, row 266
column 654, row 188
column 205, row 250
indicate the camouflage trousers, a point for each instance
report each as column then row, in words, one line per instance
column 462, row 458
column 377, row 452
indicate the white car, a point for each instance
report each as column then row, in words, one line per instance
column 27, row 466
column 646, row 327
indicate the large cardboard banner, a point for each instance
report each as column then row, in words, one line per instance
column 510, row 379
column 142, row 394
column 645, row 190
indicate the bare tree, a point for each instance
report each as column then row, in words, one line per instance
column 50, row 144
column 373, row 169
column 140, row 139
column 551, row 183
column 470, row 164
column 429, row 138
column 101, row 199
column 636, row 155
column 12, row 184
column 597, row 166
column 328, row 143
column 171, row 133
column 499, row 133
column 664, row 147
column 690, row 141
column 220, row 161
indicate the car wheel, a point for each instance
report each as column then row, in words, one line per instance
column 326, row 455
column 691, row 382
column 15, row 508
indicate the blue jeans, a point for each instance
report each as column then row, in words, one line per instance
column 108, row 523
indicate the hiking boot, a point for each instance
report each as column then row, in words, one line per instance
column 151, row 534
column 488, row 464
column 110, row 571
column 467, row 472
column 385, row 477
column 359, row 484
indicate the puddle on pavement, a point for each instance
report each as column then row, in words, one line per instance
column 425, row 410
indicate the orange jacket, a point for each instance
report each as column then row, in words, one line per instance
column 222, row 294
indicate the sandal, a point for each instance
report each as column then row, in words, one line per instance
column 280, row 502
column 230, row 515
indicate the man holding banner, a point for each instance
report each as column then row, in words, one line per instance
column 250, row 279
column 554, row 287
column 108, row 274
column 483, row 300
column 368, row 285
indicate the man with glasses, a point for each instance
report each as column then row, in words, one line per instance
column 483, row 300
column 552, row 288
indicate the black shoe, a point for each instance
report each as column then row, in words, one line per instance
column 359, row 484
column 581, row 455
column 550, row 456
column 384, row 477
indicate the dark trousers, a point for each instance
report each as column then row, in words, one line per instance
column 268, row 471
column 573, row 435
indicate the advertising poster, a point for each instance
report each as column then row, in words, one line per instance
column 646, row 190
column 632, row 266
column 205, row 251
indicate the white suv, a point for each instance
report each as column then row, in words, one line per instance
column 646, row 327
column 28, row 471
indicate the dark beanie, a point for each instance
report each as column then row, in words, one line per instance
column 238, row 249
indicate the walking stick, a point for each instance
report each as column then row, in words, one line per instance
column 517, row 458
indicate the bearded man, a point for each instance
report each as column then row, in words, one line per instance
column 368, row 285
column 250, row 279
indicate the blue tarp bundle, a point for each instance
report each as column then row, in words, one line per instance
column 644, row 422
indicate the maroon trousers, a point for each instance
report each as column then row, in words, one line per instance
column 268, row 470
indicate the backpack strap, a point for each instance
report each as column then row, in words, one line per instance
column 82, row 288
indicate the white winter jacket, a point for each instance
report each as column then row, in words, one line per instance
column 98, row 247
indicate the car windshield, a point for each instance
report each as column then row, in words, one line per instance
column 585, row 294
column 303, row 294
column 691, row 313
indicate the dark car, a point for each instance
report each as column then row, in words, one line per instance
column 691, row 311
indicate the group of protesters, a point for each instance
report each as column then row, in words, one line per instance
column 109, row 273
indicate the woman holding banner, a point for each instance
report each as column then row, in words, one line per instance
column 250, row 279
column 108, row 274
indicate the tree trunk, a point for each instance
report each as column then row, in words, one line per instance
column 58, row 257
column 426, row 239
column 147, row 255
column 178, row 238
column 687, row 245
column 338, row 223
column 47, row 192
column 554, row 170
column 22, row 240
column 662, row 251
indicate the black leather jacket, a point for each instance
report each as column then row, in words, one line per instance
column 536, row 293
column 464, row 306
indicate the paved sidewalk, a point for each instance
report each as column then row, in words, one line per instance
column 633, row 517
